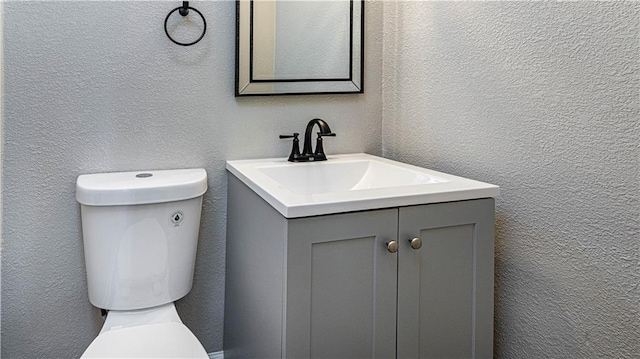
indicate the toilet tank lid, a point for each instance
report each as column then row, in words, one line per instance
column 140, row 187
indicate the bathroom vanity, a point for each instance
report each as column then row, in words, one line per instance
column 365, row 273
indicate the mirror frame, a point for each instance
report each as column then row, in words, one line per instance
column 247, row 86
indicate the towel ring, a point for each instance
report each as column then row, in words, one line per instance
column 184, row 10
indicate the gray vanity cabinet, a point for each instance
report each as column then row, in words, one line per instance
column 329, row 287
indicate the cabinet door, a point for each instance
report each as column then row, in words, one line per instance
column 341, row 286
column 445, row 288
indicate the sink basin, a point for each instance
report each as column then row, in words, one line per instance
column 352, row 182
column 355, row 175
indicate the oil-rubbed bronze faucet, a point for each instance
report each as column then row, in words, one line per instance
column 308, row 154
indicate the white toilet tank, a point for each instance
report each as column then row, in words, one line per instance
column 140, row 233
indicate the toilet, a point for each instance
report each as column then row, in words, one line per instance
column 140, row 234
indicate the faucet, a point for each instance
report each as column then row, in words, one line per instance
column 318, row 154
column 308, row 154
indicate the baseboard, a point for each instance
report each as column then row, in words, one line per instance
column 217, row 355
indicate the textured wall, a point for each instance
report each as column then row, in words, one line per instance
column 542, row 99
column 1, row 146
column 96, row 87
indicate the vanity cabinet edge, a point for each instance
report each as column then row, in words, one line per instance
column 255, row 275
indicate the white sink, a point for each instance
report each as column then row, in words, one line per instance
column 352, row 182
column 340, row 176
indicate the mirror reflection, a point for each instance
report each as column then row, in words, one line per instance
column 299, row 47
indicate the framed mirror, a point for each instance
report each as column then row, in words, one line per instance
column 286, row 47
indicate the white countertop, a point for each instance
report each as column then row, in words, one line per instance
column 351, row 182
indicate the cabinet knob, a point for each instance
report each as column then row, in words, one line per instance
column 392, row 246
column 416, row 243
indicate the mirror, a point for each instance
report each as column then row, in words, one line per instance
column 286, row 47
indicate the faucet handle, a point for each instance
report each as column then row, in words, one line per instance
column 294, row 156
column 294, row 136
column 319, row 154
column 320, row 134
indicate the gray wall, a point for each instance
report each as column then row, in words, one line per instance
column 1, row 146
column 96, row 87
column 542, row 99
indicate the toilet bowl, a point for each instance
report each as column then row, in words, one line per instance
column 145, row 333
column 140, row 234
